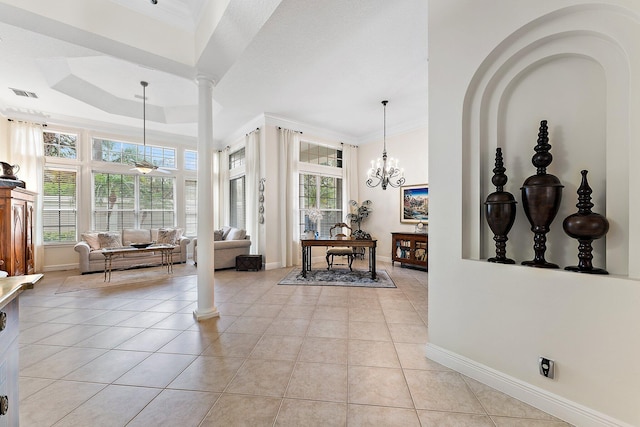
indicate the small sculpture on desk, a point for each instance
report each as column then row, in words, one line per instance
column 541, row 196
column 500, row 211
column 586, row 226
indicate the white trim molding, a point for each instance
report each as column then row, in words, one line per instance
column 553, row 404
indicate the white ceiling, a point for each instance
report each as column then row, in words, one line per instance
column 320, row 64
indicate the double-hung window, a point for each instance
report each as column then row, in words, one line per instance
column 60, row 187
column 320, row 186
column 237, row 189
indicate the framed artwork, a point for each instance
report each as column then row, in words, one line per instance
column 414, row 203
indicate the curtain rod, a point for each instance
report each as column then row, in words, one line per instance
column 24, row 121
column 256, row 130
column 296, row 131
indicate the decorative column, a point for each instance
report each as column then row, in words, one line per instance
column 541, row 196
column 586, row 226
column 500, row 211
column 206, row 308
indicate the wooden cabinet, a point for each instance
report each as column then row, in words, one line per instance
column 16, row 231
column 410, row 248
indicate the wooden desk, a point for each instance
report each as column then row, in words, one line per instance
column 164, row 249
column 307, row 244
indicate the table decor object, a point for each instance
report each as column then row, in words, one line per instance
column 500, row 211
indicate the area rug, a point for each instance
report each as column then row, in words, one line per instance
column 123, row 277
column 339, row 277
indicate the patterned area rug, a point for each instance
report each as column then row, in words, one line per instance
column 338, row 277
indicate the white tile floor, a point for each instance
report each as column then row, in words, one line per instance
column 279, row 355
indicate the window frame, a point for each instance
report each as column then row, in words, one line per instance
column 75, row 209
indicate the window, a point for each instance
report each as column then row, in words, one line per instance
column 191, row 207
column 62, row 145
column 132, row 201
column 106, row 150
column 236, row 159
column 320, row 154
column 237, row 203
column 59, row 206
column 237, row 195
column 324, row 193
column 190, row 160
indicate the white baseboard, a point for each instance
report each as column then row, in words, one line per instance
column 550, row 403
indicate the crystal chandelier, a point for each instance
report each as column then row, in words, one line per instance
column 385, row 171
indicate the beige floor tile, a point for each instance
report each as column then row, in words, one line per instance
column 318, row 381
column 149, row 340
column 208, row 373
column 328, row 329
column 99, row 409
column 523, row 422
column 62, row 363
column 143, row 319
column 296, row 311
column 176, row 408
column 232, row 345
column 263, row 310
column 170, row 306
column 378, row 386
column 403, row 316
column 107, row 367
column 373, row 353
column 33, row 353
column 296, row 413
column 284, row 326
column 157, row 370
column 29, row 386
column 178, row 321
column 401, row 332
column 413, row 356
column 366, row 314
column 369, row 331
column 79, row 315
column 442, row 391
column 262, row 377
column 376, row 416
column 110, row 318
column 233, row 309
column 242, row 411
column 72, row 335
column 189, row 342
column 324, row 350
column 41, row 331
column 334, row 300
column 215, row 325
column 445, row 419
column 250, row 325
column 277, row 347
column 500, row 404
column 110, row 337
column 45, row 407
column 331, row 312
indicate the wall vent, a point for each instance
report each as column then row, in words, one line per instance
column 21, row 92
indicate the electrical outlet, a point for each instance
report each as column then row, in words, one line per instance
column 547, row 367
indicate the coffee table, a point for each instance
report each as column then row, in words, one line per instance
column 164, row 249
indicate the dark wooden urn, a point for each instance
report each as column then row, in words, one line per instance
column 500, row 211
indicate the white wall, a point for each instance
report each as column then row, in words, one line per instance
column 411, row 150
column 496, row 68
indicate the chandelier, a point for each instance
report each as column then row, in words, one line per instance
column 385, row 171
column 144, row 166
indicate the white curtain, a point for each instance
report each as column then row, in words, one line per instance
column 222, row 184
column 27, row 151
column 252, row 177
column 288, row 149
column 349, row 176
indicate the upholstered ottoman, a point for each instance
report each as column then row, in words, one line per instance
column 248, row 262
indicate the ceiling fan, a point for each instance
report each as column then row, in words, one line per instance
column 144, row 166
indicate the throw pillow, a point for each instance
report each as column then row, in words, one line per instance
column 225, row 231
column 170, row 236
column 109, row 240
column 92, row 240
column 217, row 235
column 236, row 234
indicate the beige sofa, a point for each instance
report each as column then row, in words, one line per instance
column 91, row 259
column 228, row 244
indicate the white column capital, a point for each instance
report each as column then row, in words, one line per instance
column 206, row 78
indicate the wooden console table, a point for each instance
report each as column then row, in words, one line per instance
column 307, row 244
column 164, row 249
column 410, row 248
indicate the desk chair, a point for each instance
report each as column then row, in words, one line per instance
column 337, row 232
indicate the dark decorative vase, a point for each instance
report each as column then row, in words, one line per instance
column 541, row 196
column 500, row 210
column 585, row 226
